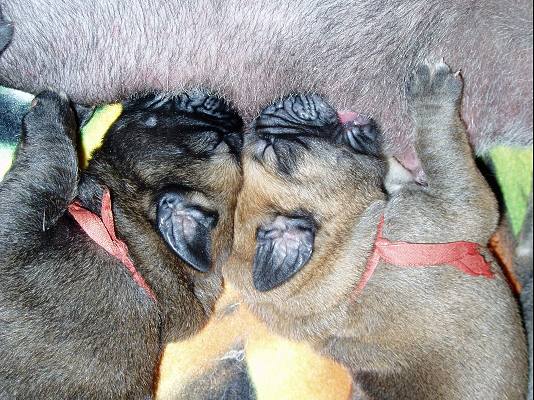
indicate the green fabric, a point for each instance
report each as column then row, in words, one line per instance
column 93, row 132
column 14, row 104
column 513, row 170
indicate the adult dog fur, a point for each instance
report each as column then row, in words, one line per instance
column 355, row 52
column 73, row 323
column 305, row 225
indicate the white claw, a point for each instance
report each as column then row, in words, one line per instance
column 458, row 73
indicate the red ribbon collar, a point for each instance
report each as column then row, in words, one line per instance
column 465, row 256
column 102, row 231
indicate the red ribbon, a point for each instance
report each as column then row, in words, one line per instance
column 102, row 231
column 465, row 256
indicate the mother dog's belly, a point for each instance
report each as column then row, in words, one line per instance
column 355, row 53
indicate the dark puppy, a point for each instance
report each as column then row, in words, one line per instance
column 306, row 221
column 75, row 322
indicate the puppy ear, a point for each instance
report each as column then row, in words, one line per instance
column 283, row 247
column 186, row 227
column 397, row 176
column 362, row 135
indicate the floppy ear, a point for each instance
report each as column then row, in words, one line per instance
column 362, row 136
column 283, row 247
column 186, row 227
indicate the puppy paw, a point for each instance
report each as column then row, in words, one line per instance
column 50, row 114
column 300, row 115
column 434, row 84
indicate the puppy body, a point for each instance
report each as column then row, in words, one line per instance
column 74, row 323
column 412, row 333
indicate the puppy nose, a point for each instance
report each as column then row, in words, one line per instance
column 234, row 140
column 297, row 116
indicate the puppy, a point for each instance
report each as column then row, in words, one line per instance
column 312, row 217
column 98, row 271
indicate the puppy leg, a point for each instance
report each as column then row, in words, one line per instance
column 43, row 179
column 457, row 205
column 523, row 263
column 456, row 189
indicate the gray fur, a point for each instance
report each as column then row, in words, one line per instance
column 523, row 264
column 356, row 53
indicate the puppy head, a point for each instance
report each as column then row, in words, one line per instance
column 172, row 165
column 308, row 177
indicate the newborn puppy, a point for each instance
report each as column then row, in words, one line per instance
column 85, row 310
column 309, row 255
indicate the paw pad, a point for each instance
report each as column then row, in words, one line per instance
column 435, row 83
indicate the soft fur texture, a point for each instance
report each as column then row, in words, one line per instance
column 356, row 53
column 74, row 323
column 416, row 333
column 524, row 264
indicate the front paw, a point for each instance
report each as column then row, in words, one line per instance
column 434, row 85
column 50, row 114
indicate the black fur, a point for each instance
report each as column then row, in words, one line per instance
column 227, row 380
column 73, row 323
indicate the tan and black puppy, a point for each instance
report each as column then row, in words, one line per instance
column 99, row 270
column 306, row 222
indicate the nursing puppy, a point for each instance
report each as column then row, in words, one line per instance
column 76, row 321
column 307, row 218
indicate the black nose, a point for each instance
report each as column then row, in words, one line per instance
column 298, row 116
